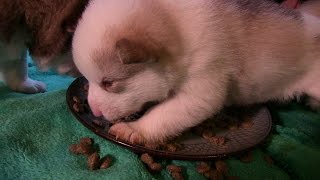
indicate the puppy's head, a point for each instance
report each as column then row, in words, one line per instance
column 52, row 25
column 126, row 54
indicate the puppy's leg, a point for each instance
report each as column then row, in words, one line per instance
column 197, row 102
column 15, row 74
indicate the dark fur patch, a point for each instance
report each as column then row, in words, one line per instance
column 253, row 7
column 131, row 52
column 11, row 17
column 46, row 20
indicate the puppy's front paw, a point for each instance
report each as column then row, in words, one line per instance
column 30, row 87
column 125, row 132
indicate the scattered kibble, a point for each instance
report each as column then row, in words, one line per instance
column 155, row 166
column 76, row 99
column 78, row 108
column 221, row 166
column 86, row 141
column 93, row 161
column 173, row 147
column 105, row 162
column 246, row 124
column 175, row 172
column 97, row 122
column 86, row 147
column 218, row 140
column 174, row 168
column 146, row 158
column 203, row 167
column 207, row 134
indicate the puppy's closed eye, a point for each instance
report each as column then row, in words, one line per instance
column 113, row 86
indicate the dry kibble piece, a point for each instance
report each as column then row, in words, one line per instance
column 218, row 140
column 177, row 176
column 97, row 122
column 76, row 99
column 86, row 149
column 81, row 149
column 207, row 134
column 86, row 141
column 173, row 147
column 105, row 163
column 155, row 167
column 268, row 159
column 174, row 169
column 78, row 108
column 93, row 161
column 203, row 167
column 222, row 167
column 247, row 124
column 247, row 157
column 146, row 158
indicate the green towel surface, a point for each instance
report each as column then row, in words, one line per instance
column 36, row 131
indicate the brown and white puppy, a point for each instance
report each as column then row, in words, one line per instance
column 194, row 57
column 43, row 26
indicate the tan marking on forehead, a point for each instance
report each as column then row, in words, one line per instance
column 111, row 67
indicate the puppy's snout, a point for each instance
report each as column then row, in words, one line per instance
column 94, row 106
column 96, row 111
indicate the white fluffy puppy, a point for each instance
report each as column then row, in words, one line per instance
column 194, row 57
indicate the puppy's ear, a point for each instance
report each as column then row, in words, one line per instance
column 130, row 52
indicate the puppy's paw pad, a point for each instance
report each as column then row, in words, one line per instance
column 123, row 131
column 32, row 86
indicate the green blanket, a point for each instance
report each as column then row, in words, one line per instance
column 36, row 131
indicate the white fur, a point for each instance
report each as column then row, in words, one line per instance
column 216, row 59
column 13, row 66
